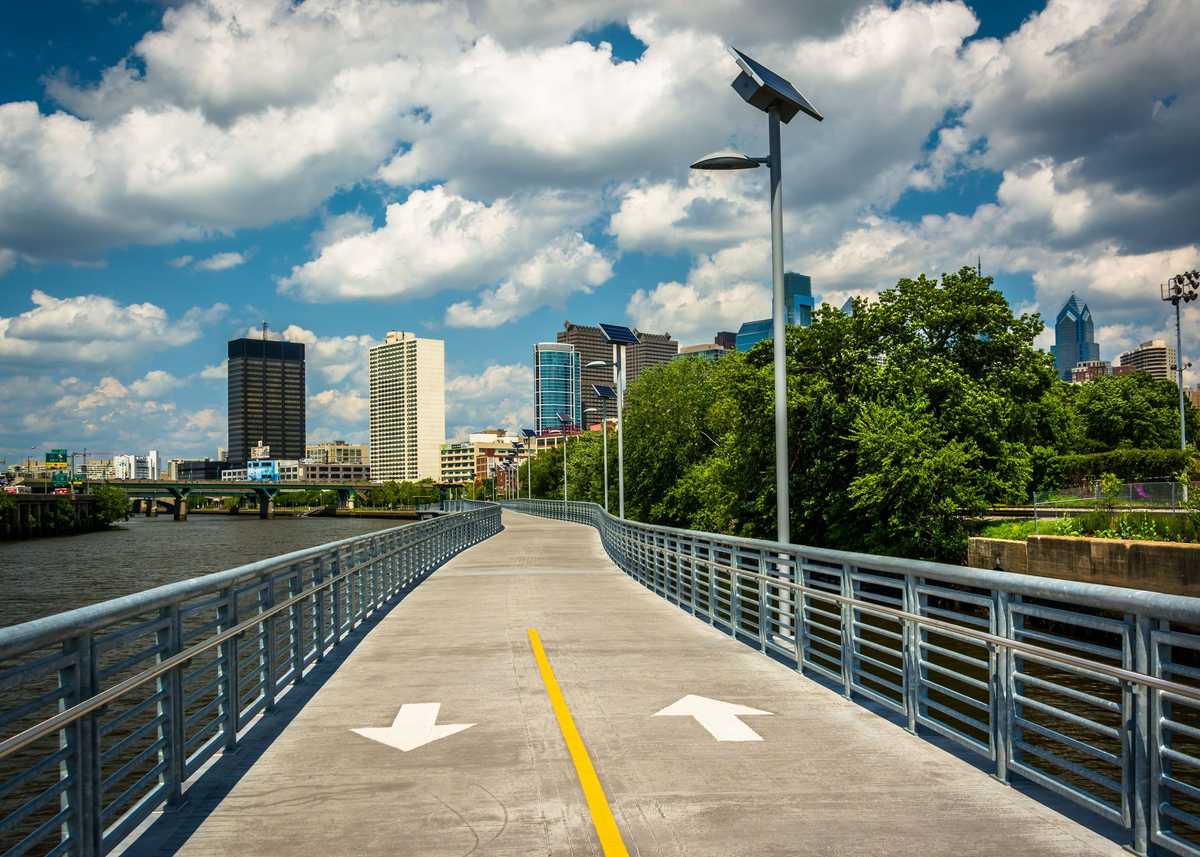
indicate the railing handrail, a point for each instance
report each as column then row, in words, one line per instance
column 37, row 633
column 1175, row 608
column 949, row 628
column 69, row 715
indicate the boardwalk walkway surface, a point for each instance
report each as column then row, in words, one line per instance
column 827, row 778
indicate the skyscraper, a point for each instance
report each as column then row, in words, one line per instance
column 654, row 349
column 556, row 385
column 266, row 398
column 797, row 309
column 1074, row 339
column 408, row 407
column 1154, row 357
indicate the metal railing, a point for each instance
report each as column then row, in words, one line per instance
column 107, row 711
column 1090, row 691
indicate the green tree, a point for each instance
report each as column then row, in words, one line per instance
column 1134, row 410
column 112, row 504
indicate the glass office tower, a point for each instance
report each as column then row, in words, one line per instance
column 798, row 307
column 1074, row 338
column 556, row 385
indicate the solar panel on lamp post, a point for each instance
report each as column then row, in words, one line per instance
column 762, row 88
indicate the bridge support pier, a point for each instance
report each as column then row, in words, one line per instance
column 266, row 504
column 151, row 505
column 180, row 511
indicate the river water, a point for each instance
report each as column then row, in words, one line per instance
column 39, row 577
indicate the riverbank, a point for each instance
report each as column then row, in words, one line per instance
column 316, row 512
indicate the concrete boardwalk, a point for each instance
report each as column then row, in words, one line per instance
column 828, row 778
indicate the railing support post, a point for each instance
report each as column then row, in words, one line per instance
column 912, row 654
column 266, row 657
column 847, row 612
column 1002, row 689
column 296, row 621
column 230, row 690
column 83, row 740
column 170, row 638
column 1141, row 737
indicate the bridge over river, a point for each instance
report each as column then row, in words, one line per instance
column 570, row 683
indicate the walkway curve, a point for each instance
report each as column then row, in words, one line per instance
column 827, row 778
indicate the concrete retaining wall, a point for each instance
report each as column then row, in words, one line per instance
column 1168, row 567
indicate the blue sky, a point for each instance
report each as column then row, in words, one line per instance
column 171, row 176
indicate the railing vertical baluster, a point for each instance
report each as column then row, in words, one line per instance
column 911, row 654
column 266, row 644
column 798, row 628
column 318, row 608
column 335, row 597
column 170, row 642
column 847, row 635
column 764, row 629
column 1002, row 686
column 735, row 600
column 1141, row 736
column 230, row 690
column 295, row 587
column 83, row 828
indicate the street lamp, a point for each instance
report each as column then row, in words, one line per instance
column 564, row 421
column 604, row 393
column 1182, row 288
column 762, row 88
column 620, row 338
column 530, row 434
column 603, row 428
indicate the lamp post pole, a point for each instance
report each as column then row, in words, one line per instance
column 619, row 380
column 566, row 437
column 779, row 330
column 604, row 442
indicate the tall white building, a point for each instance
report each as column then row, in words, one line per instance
column 408, row 407
column 136, row 466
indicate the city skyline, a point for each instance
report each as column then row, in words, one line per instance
column 121, row 281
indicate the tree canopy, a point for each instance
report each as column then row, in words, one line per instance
column 924, row 406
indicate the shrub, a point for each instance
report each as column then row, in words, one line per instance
column 112, row 504
column 1128, row 465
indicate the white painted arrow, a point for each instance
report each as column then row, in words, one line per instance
column 415, row 726
column 719, row 718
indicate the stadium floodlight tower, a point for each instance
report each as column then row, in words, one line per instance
column 620, row 337
column 604, row 392
column 762, row 88
column 529, row 434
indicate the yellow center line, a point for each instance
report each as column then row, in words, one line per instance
column 593, row 792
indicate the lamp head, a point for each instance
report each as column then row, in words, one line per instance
column 762, row 88
column 727, row 161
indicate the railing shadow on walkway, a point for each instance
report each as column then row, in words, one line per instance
column 170, row 829
column 156, row 692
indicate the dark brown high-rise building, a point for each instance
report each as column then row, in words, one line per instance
column 589, row 341
column 727, row 339
column 266, row 398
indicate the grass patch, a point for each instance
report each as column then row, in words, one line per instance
column 1137, row 526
